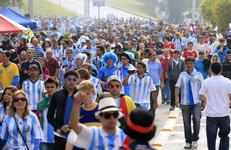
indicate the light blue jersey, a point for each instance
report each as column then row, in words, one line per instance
column 30, row 128
column 34, row 92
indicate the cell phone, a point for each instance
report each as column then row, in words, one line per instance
column 131, row 71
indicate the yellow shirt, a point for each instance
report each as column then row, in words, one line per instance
column 7, row 74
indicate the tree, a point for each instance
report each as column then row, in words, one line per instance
column 221, row 13
column 217, row 12
column 5, row 3
column 206, row 9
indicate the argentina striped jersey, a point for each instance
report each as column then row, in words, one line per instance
column 29, row 127
column 190, row 86
column 95, row 138
column 34, row 92
column 140, row 88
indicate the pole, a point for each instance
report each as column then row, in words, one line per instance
column 30, row 8
column 98, row 12
column 193, row 11
column 86, row 8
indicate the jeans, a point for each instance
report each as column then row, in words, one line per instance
column 166, row 95
column 212, row 125
column 46, row 146
column 194, row 112
column 172, row 84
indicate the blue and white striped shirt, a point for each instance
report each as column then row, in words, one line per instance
column 48, row 129
column 95, row 138
column 140, row 88
column 190, row 86
column 34, row 92
column 98, row 88
column 30, row 128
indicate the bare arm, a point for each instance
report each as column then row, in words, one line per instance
column 203, row 100
column 75, row 125
column 177, row 92
column 230, row 98
column 125, row 81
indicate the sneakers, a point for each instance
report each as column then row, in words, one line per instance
column 187, row 146
column 194, row 144
column 171, row 108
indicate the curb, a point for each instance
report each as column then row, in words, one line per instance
column 163, row 136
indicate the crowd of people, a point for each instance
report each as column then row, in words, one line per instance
column 100, row 79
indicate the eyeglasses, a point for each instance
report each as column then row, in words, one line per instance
column 20, row 98
column 71, row 79
column 114, row 86
column 68, row 52
column 115, row 115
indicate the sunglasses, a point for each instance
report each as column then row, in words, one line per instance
column 20, row 98
column 71, row 79
column 68, row 52
column 115, row 115
column 114, row 86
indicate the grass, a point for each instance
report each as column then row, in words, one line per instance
column 46, row 8
column 142, row 7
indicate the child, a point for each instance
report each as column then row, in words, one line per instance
column 87, row 110
column 51, row 85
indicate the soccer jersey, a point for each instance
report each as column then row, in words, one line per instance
column 95, row 138
column 190, row 86
column 7, row 74
column 48, row 130
column 140, row 88
column 30, row 128
column 35, row 91
column 98, row 88
column 88, row 118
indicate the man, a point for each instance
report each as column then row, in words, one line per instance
column 9, row 73
column 164, row 60
column 155, row 71
column 142, row 88
column 175, row 67
column 25, row 65
column 51, row 85
column 51, row 63
column 110, row 60
column 38, row 51
column 69, row 62
column 109, row 136
column 125, row 103
column 216, row 96
column 190, row 52
column 97, row 61
column 221, row 50
column 59, row 110
column 189, row 82
column 33, row 87
column 177, row 41
column 226, row 71
column 126, row 66
column 202, row 64
column 201, row 46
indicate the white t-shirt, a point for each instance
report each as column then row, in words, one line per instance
column 216, row 89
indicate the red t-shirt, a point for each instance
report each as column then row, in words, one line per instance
column 169, row 45
column 164, row 61
column 190, row 53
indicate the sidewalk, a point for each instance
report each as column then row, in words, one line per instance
column 171, row 136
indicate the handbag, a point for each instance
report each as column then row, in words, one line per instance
column 19, row 131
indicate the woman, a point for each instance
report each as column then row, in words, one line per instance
column 21, row 128
column 5, row 102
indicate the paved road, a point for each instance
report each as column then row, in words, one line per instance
column 78, row 7
column 171, row 134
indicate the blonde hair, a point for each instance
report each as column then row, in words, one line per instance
column 12, row 109
column 86, row 85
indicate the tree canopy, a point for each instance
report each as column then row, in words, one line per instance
column 217, row 12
